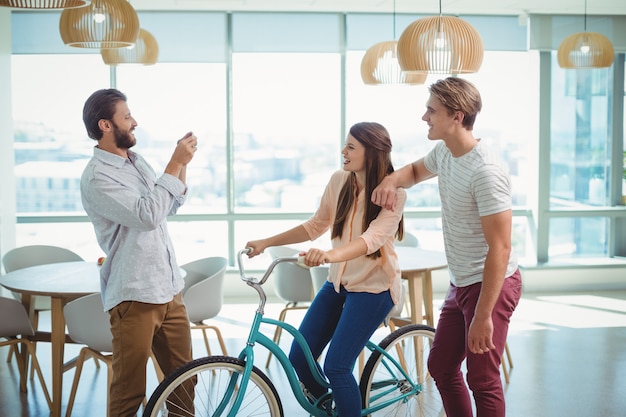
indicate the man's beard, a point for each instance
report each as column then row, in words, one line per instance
column 123, row 140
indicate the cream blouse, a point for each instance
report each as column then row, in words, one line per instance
column 361, row 274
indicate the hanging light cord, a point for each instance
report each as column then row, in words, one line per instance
column 585, row 15
column 394, row 20
column 440, row 29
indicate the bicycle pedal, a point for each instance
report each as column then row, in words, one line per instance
column 327, row 404
column 310, row 397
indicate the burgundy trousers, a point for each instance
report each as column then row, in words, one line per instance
column 450, row 349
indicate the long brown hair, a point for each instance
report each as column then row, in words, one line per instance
column 375, row 138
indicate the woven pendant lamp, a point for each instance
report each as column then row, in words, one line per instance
column 145, row 51
column 44, row 4
column 380, row 66
column 440, row 45
column 103, row 24
column 585, row 50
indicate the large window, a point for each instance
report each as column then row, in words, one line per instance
column 271, row 113
column 580, row 160
column 508, row 122
column 580, row 140
column 169, row 100
column 51, row 145
column 286, row 128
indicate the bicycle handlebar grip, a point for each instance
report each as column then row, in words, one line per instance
column 301, row 262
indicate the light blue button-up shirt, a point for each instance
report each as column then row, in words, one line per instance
column 128, row 207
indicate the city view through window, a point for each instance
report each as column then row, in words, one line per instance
column 286, row 141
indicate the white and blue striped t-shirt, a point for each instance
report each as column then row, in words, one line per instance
column 473, row 185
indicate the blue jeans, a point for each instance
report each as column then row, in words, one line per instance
column 347, row 320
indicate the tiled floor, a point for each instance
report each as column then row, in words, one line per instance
column 569, row 356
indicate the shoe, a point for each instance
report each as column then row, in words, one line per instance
column 310, row 397
column 325, row 402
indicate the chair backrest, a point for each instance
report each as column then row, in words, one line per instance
column 291, row 281
column 319, row 275
column 34, row 255
column 203, row 287
column 14, row 319
column 408, row 240
column 88, row 323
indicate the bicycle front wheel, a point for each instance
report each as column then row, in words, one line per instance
column 204, row 387
column 382, row 382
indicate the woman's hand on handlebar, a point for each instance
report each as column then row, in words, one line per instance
column 315, row 257
column 256, row 247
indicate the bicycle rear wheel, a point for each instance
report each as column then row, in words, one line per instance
column 200, row 386
column 381, row 381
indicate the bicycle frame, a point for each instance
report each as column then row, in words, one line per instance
column 257, row 337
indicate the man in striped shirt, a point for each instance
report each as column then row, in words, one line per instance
column 485, row 282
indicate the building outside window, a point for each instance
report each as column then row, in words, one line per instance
column 271, row 121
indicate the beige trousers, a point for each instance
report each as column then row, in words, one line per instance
column 139, row 329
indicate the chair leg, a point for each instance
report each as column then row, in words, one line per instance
column 361, row 362
column 220, row 339
column 206, row 341
column 109, row 380
column 82, row 357
column 277, row 332
column 12, row 349
column 508, row 355
column 157, row 369
column 503, row 361
column 21, row 364
column 504, row 370
column 32, row 371
column 392, row 328
column 37, row 369
column 204, row 327
column 281, row 317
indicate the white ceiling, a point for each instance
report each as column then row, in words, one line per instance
column 448, row 7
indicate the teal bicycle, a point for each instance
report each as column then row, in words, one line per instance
column 394, row 381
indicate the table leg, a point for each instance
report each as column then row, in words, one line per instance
column 22, row 352
column 427, row 286
column 58, row 344
column 415, row 296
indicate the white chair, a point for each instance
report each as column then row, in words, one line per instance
column 408, row 239
column 292, row 283
column 33, row 255
column 89, row 324
column 203, row 295
column 319, row 275
column 15, row 327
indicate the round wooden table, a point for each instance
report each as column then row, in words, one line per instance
column 62, row 282
column 416, row 266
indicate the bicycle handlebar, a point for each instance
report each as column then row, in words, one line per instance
column 299, row 260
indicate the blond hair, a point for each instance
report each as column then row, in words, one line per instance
column 457, row 94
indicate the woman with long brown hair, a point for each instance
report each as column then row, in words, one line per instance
column 364, row 276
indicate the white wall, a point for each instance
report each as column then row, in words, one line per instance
column 7, row 158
